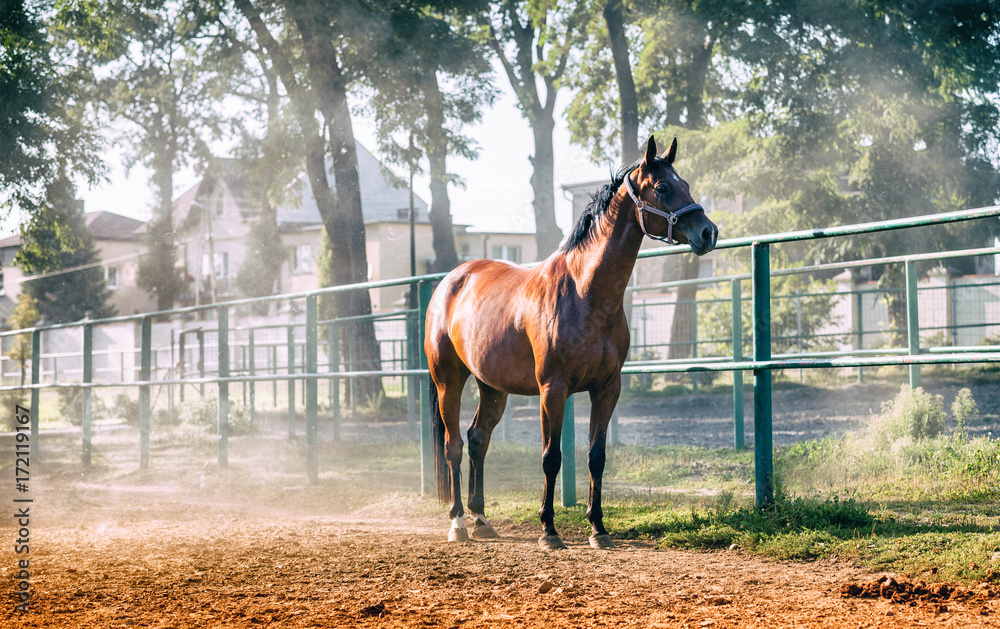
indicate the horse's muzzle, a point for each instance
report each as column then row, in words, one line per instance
column 704, row 237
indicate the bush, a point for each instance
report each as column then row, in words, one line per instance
column 913, row 414
column 965, row 412
column 128, row 409
column 71, row 405
column 206, row 415
column 8, row 401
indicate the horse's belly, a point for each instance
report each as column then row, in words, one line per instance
column 498, row 354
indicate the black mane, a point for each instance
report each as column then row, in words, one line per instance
column 599, row 202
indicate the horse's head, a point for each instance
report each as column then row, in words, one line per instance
column 664, row 206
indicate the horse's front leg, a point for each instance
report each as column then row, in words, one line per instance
column 553, row 403
column 488, row 415
column 602, row 405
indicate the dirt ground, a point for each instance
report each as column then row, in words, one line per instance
column 203, row 548
column 294, row 570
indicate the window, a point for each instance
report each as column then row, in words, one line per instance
column 507, row 252
column 302, row 259
column 219, row 267
column 111, row 277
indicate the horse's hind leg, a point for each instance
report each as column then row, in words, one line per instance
column 450, row 396
column 488, row 415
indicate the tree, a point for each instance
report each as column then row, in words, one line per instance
column 308, row 63
column 425, row 42
column 533, row 39
column 25, row 315
column 673, row 83
column 822, row 112
column 260, row 273
column 161, row 85
column 43, row 127
column 60, row 253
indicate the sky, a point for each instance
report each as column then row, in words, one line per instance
column 498, row 189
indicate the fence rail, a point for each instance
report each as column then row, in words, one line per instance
column 302, row 364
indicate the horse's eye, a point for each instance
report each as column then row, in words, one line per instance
column 663, row 189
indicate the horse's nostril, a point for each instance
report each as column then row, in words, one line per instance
column 706, row 234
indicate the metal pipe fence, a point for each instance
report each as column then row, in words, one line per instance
column 229, row 354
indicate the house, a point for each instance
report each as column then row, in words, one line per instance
column 212, row 220
column 118, row 247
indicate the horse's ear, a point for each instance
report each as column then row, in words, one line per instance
column 671, row 153
column 650, row 151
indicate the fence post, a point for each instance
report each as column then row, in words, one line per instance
column 170, row 369
column 798, row 324
column 335, row 381
column 180, row 364
column 569, row 453
column 763, row 462
column 312, row 392
column 252, row 371
column 411, row 363
column 145, row 363
column 694, row 342
column 737, row 299
column 912, row 320
column 223, row 423
column 424, row 290
column 859, row 316
column 201, row 361
column 88, row 377
column 36, row 376
column 291, row 382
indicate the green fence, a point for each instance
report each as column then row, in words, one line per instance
column 307, row 371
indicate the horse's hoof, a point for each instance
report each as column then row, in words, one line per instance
column 458, row 535
column 602, row 542
column 484, row 531
column 551, row 542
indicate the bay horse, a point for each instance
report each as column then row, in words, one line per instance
column 552, row 330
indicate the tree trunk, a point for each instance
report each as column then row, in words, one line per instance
column 697, row 76
column 344, row 222
column 628, row 101
column 681, row 330
column 547, row 233
column 445, row 256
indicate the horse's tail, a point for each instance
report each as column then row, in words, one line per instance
column 441, row 470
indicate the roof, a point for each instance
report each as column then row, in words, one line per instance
column 384, row 197
column 111, row 226
column 10, row 241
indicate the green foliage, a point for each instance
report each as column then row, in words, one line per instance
column 381, row 407
column 9, row 400
column 25, row 315
column 788, row 292
column 56, row 240
column 159, row 273
column 912, row 415
column 260, row 272
column 43, row 130
column 965, row 411
column 71, row 405
column 126, row 408
column 205, row 414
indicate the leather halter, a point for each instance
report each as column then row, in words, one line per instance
column 670, row 216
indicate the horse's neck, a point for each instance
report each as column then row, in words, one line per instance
column 603, row 266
